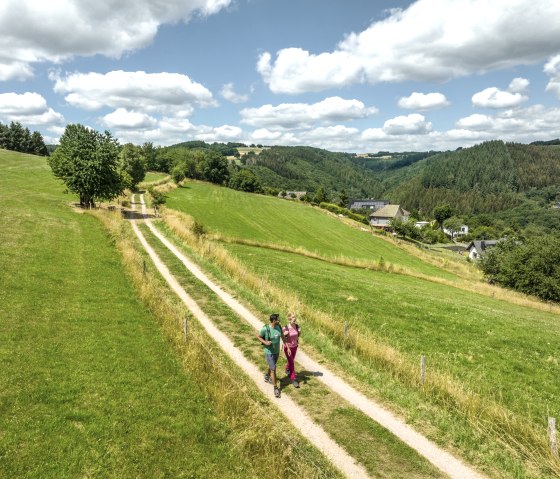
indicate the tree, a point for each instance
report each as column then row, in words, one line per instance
column 320, row 196
column 441, row 213
column 245, row 180
column 453, row 224
column 158, row 199
column 343, row 199
column 132, row 162
column 150, row 156
column 38, row 144
column 87, row 162
column 214, row 168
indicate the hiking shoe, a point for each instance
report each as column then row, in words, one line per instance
column 266, row 378
column 287, row 372
column 295, row 383
column 276, row 392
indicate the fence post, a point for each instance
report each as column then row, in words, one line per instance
column 345, row 331
column 144, row 267
column 185, row 329
column 552, row 436
column 422, row 369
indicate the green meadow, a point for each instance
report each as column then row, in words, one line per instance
column 492, row 365
column 90, row 387
column 284, row 222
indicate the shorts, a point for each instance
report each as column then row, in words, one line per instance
column 271, row 359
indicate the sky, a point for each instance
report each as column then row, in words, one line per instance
column 355, row 75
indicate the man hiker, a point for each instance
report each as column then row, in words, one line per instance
column 270, row 336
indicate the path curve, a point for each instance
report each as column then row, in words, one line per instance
column 440, row 458
column 300, row 420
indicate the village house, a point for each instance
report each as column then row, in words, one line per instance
column 367, row 204
column 382, row 217
column 464, row 230
column 477, row 249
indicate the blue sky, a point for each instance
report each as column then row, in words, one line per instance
column 360, row 76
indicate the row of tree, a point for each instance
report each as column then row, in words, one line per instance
column 532, row 266
column 15, row 137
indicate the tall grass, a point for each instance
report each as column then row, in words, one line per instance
column 260, row 437
column 483, row 414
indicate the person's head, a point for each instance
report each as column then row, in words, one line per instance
column 292, row 318
column 274, row 318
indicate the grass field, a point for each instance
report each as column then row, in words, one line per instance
column 152, row 176
column 499, row 361
column 89, row 385
column 271, row 220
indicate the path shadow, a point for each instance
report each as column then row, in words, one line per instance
column 303, row 378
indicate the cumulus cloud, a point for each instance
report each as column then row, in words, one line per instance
column 27, row 108
column 122, row 118
column 35, row 31
column 423, row 101
column 229, row 94
column 518, row 85
column 141, row 91
column 297, row 115
column 552, row 68
column 495, row 98
column 431, row 40
column 414, row 124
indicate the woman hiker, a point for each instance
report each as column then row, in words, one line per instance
column 270, row 336
column 291, row 336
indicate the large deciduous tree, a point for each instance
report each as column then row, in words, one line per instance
column 87, row 162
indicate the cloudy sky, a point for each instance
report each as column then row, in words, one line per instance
column 358, row 75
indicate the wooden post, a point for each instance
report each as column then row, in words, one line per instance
column 144, row 267
column 422, row 369
column 185, row 329
column 345, row 331
column 552, row 436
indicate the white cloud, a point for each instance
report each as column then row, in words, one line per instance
column 495, row 98
column 230, row 95
column 27, row 108
column 414, row 124
column 475, row 122
column 518, row 85
column 297, row 115
column 423, row 101
column 141, row 91
column 431, row 40
column 122, row 118
column 552, row 68
column 35, row 31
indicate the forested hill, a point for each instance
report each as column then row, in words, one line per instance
column 307, row 169
column 486, row 178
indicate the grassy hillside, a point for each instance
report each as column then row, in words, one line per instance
column 274, row 221
column 492, row 364
column 89, row 386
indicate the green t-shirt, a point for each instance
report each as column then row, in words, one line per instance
column 274, row 335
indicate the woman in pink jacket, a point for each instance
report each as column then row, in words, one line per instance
column 291, row 336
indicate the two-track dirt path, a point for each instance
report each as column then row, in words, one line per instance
column 444, row 461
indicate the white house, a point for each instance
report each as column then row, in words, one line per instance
column 477, row 249
column 383, row 216
column 454, row 234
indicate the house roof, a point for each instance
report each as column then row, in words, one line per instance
column 481, row 245
column 388, row 211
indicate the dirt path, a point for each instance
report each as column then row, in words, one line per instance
column 444, row 461
column 301, row 421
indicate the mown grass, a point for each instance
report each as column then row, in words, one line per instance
column 389, row 458
column 461, row 404
column 89, row 385
column 272, row 220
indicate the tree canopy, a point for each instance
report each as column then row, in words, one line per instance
column 87, row 162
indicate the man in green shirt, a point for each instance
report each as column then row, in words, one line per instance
column 270, row 336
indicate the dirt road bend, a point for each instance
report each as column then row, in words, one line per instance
column 440, row 458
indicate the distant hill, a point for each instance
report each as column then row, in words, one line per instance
column 307, row 169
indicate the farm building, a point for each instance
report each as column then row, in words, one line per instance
column 382, row 217
column 477, row 249
column 367, row 204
